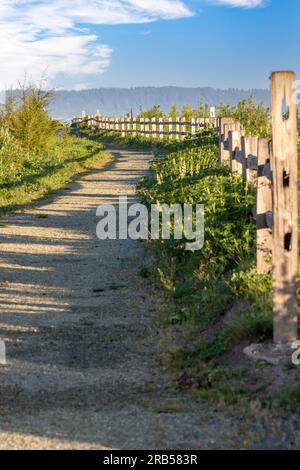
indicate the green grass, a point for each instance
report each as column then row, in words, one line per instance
column 37, row 175
column 289, row 398
column 204, row 285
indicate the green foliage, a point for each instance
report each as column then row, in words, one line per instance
column 187, row 112
column 199, row 281
column 173, row 113
column 26, row 179
column 28, row 120
column 224, row 110
column 12, row 155
column 249, row 285
column 154, row 112
column 202, row 110
column 254, row 118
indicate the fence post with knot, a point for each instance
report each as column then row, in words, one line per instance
column 285, row 206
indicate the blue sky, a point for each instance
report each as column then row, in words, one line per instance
column 79, row 44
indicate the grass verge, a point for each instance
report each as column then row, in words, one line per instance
column 38, row 175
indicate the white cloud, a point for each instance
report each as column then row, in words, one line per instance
column 239, row 3
column 40, row 37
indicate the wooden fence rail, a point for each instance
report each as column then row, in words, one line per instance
column 156, row 128
column 270, row 166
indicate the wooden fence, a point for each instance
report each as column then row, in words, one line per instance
column 163, row 128
column 271, row 167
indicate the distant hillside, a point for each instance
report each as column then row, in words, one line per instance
column 119, row 101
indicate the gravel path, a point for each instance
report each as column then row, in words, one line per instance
column 81, row 369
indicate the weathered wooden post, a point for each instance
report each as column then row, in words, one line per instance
column 130, row 125
column 223, row 148
column 147, row 128
column 285, row 207
column 249, row 157
column 213, row 122
column 123, row 127
column 153, row 120
column 177, row 128
column 142, row 126
column 193, row 127
column 170, row 128
column 117, row 125
column 134, row 127
column 234, row 144
column 264, row 207
column 161, row 128
column 183, row 128
column 201, row 123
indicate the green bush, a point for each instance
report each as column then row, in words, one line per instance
column 27, row 119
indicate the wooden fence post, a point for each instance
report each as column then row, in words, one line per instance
column 161, row 128
column 193, row 127
column 147, row 128
column 223, row 149
column 142, row 126
column 154, row 130
column 234, row 140
column 177, row 128
column 134, row 128
column 128, row 126
column 264, row 208
column 170, row 128
column 285, row 196
column 249, row 157
column 183, row 128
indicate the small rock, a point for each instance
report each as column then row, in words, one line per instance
column 273, row 354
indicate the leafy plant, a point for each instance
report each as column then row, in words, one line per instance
column 27, row 119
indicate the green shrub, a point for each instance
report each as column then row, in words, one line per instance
column 27, row 118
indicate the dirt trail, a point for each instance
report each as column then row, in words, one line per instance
column 74, row 313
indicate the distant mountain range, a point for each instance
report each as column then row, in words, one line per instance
column 120, row 101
